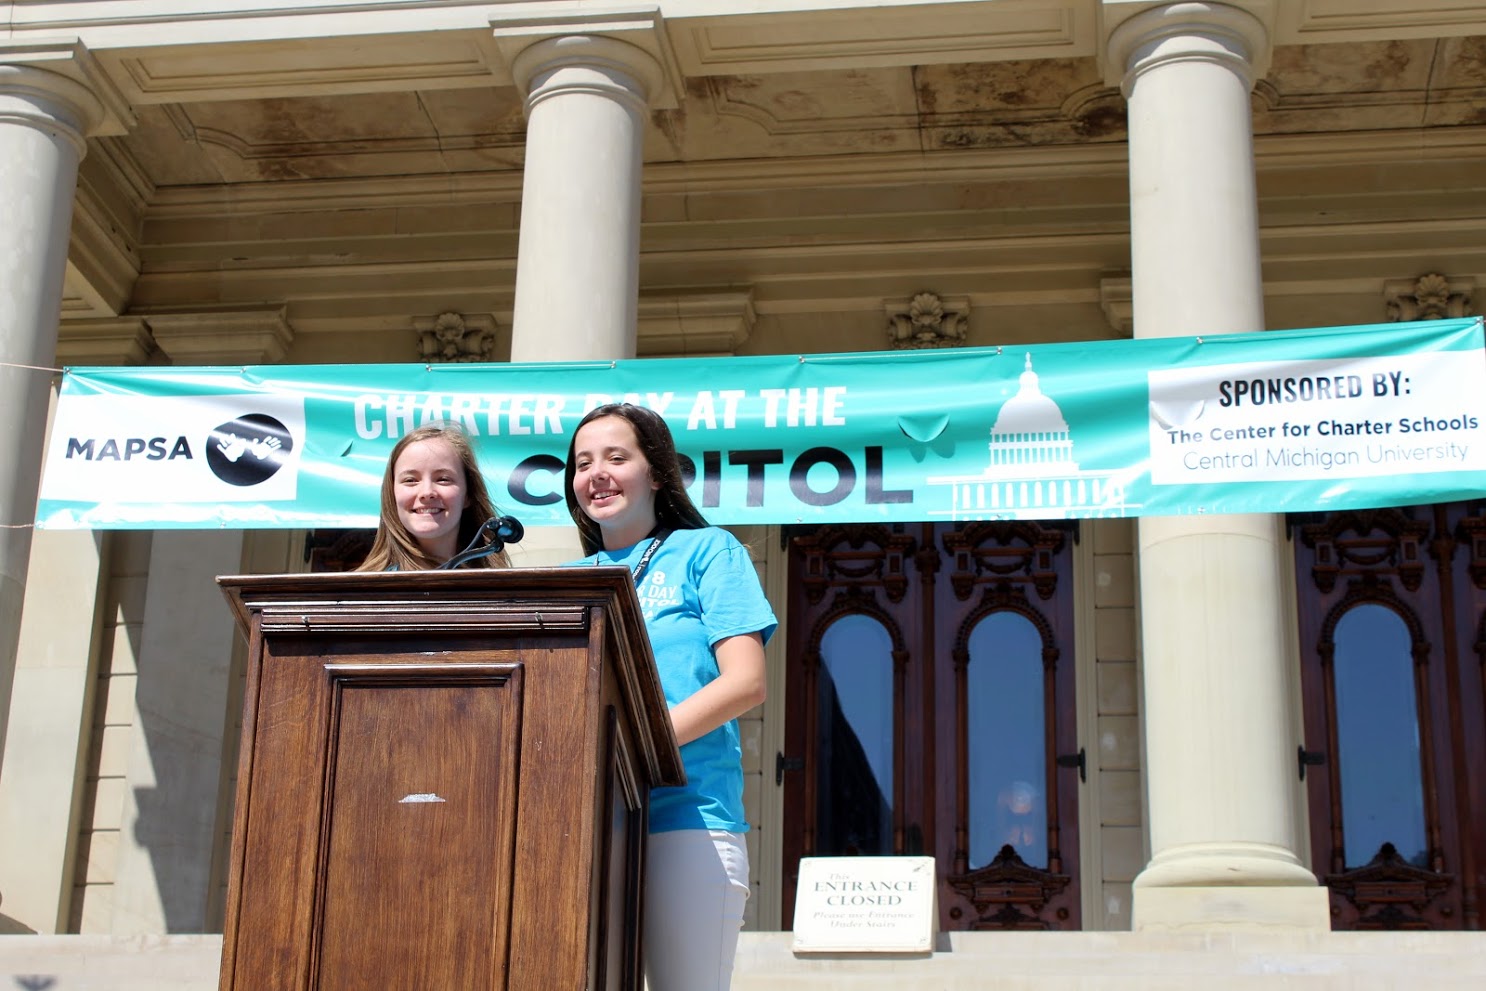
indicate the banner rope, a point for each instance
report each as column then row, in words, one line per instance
column 34, row 368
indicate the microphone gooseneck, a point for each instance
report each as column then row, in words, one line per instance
column 502, row 530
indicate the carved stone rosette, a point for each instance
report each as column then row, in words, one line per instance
column 927, row 321
column 451, row 337
column 1429, row 297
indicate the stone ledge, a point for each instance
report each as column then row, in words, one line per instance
column 1090, row 961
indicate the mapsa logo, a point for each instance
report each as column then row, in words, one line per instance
column 248, row 450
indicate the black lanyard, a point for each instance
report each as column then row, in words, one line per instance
column 644, row 562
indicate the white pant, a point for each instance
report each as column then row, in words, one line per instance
column 696, row 883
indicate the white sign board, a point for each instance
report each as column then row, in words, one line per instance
column 865, row 905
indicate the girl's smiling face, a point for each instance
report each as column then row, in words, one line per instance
column 429, row 487
column 612, row 481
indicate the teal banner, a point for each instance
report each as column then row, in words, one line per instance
column 1335, row 418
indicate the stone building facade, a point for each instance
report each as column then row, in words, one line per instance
column 315, row 181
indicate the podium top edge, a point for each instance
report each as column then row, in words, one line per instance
column 561, row 577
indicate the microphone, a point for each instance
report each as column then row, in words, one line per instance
column 503, row 530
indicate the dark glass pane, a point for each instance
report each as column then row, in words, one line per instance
column 854, row 760
column 1377, row 722
column 1008, row 771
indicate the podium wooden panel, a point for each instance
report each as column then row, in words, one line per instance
column 443, row 782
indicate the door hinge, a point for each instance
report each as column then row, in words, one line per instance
column 783, row 763
column 1075, row 760
column 1304, row 757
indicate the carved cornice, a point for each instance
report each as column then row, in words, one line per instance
column 705, row 322
column 118, row 341
column 231, row 337
column 894, row 34
column 102, row 263
column 1334, row 21
column 240, row 68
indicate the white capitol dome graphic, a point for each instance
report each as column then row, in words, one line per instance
column 1031, row 472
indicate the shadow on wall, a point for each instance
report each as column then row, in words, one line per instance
column 14, row 927
column 35, row 982
column 182, row 696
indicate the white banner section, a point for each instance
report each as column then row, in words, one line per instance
column 110, row 447
column 1309, row 420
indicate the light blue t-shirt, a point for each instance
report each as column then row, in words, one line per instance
column 699, row 588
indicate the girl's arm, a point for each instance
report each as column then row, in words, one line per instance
column 738, row 687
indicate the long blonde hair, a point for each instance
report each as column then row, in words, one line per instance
column 396, row 549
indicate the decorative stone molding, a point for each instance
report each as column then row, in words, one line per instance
column 451, row 337
column 812, row 39
column 1118, row 302
column 708, row 322
column 927, row 321
column 233, row 337
column 118, row 341
column 1429, row 297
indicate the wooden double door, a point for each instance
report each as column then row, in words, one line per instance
column 1392, row 609
column 931, row 712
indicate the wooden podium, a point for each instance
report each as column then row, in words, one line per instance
column 444, row 781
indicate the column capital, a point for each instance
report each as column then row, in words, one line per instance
column 63, row 80
column 1141, row 35
column 631, row 41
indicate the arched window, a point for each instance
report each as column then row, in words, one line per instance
column 1004, row 698
column 1377, row 730
column 854, row 741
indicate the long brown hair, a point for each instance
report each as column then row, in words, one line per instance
column 396, row 549
column 673, row 507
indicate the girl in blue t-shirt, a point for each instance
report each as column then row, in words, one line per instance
column 708, row 621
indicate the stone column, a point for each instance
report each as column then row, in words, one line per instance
column 577, row 266
column 44, row 116
column 1220, row 740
